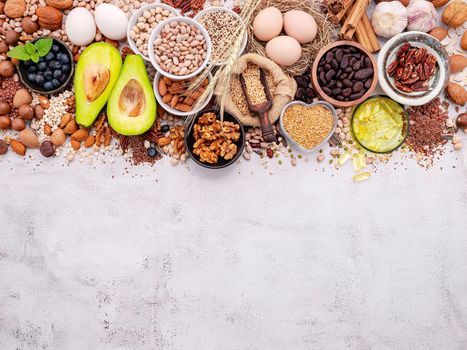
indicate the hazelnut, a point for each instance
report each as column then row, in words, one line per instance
column 3, row 47
column 58, row 137
column 22, row 97
column 461, row 121
column 29, row 26
column 26, row 112
column 47, row 149
column 11, row 37
column 4, row 108
column 18, row 124
column 5, row 122
column 7, row 69
column 39, row 112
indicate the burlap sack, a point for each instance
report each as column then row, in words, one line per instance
column 284, row 92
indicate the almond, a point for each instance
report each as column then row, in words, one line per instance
column 464, row 40
column 76, row 145
column 89, row 141
column 164, row 141
column 60, row 4
column 64, row 121
column 439, row 3
column 439, row 33
column 457, row 63
column 80, row 135
column 456, row 93
column 18, row 147
column 71, row 127
column 47, row 130
column 162, row 87
column 15, row 8
column 28, row 138
column 49, row 17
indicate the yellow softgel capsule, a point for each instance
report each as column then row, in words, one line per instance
column 361, row 176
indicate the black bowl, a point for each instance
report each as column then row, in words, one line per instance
column 23, row 74
column 221, row 163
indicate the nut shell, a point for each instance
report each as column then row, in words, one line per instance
column 49, row 17
column 15, row 8
column 439, row 33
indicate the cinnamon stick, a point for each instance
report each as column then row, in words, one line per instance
column 362, row 37
column 336, row 18
column 370, row 33
column 357, row 12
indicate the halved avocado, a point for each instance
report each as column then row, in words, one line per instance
column 97, row 71
column 131, row 109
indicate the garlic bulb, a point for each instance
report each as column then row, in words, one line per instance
column 421, row 16
column 389, row 19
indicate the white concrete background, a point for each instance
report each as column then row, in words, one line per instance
column 177, row 258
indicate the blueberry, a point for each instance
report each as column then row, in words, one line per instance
column 63, row 78
column 57, row 74
column 65, row 59
column 55, row 48
column 48, row 75
column 48, row 85
column 165, row 128
column 55, row 83
column 32, row 69
column 65, row 68
column 27, row 63
column 50, row 56
column 42, row 59
column 40, row 79
column 152, row 152
column 32, row 77
column 54, row 64
column 42, row 66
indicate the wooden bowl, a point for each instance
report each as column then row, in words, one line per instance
column 314, row 74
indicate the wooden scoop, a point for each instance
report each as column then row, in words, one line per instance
column 261, row 109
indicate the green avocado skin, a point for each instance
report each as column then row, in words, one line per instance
column 133, row 68
column 102, row 53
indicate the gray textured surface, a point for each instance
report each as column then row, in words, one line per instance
column 170, row 258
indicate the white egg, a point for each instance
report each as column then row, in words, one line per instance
column 111, row 21
column 80, row 26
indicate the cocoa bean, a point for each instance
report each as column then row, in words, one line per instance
column 363, row 74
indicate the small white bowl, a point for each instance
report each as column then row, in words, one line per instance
column 295, row 143
column 172, row 110
column 134, row 19
column 156, row 33
column 437, row 83
column 229, row 11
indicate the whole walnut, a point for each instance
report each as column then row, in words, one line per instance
column 455, row 14
column 49, row 17
column 60, row 4
column 15, row 8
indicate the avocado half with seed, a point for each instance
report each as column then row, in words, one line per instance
column 131, row 109
column 97, row 71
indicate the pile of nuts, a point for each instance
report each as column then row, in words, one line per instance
column 141, row 32
column 175, row 93
column 180, row 48
column 412, row 69
column 222, row 28
column 214, row 139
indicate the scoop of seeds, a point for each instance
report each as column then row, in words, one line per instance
column 308, row 126
column 223, row 29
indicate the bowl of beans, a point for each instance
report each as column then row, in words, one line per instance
column 344, row 73
column 223, row 26
column 143, row 22
column 179, row 48
column 308, row 126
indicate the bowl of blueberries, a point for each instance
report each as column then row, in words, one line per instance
column 52, row 73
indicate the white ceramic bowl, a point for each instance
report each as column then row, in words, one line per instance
column 134, row 19
column 217, row 9
column 156, row 33
column 326, row 139
column 172, row 110
column 437, row 83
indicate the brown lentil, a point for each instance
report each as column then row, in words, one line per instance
column 308, row 126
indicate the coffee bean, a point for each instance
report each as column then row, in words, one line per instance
column 363, row 74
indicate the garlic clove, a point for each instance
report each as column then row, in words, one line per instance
column 389, row 19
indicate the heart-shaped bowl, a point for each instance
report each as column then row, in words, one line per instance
column 291, row 139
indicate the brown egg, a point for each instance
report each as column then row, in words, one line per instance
column 18, row 124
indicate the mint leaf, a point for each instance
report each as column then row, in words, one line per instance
column 43, row 46
column 19, row 52
column 35, row 57
column 30, row 48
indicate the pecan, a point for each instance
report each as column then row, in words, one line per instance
column 407, row 72
column 392, row 68
column 410, row 57
column 402, row 87
column 419, row 86
column 403, row 49
column 412, row 79
column 421, row 72
column 399, row 72
column 420, row 55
